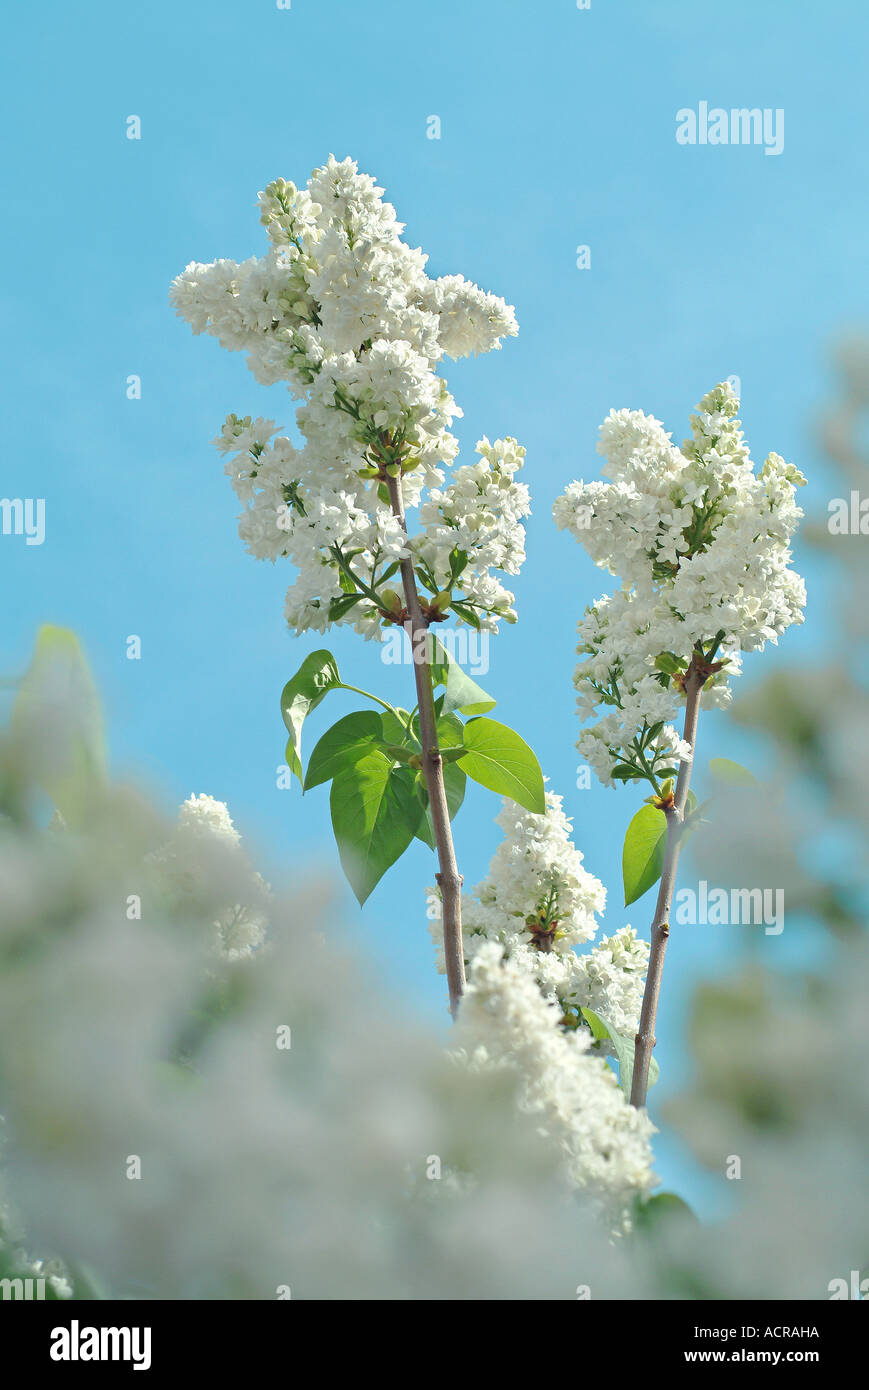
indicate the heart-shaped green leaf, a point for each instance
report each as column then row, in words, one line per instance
column 343, row 745
column 375, row 814
column 499, row 759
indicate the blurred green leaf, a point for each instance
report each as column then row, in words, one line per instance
column 726, row 770
column 658, row 1211
column 57, row 711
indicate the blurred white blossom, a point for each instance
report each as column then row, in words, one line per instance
column 292, row 1126
column 527, row 985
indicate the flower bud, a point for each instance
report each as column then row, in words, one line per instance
column 390, row 600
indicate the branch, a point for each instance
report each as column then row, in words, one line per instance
column 645, row 1038
column 449, row 879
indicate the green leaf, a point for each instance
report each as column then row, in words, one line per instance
column 375, row 814
column 669, row 663
column 455, row 783
column 399, row 752
column 339, row 607
column 452, row 755
column 599, row 1030
column 317, row 675
column 623, row 1048
column 499, row 759
column 343, row 745
column 396, row 730
column 461, row 693
column 664, row 1207
column 57, row 712
column 626, row 772
column 726, row 770
column 643, row 852
column 465, row 611
column 458, row 562
column 450, row 732
column 449, row 727
column 694, row 818
column 425, row 829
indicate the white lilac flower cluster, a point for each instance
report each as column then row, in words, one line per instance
column 701, row 543
column 506, row 1024
column 203, row 863
column 527, row 985
column 539, row 902
column 342, row 311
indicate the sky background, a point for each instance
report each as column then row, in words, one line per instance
column 557, row 130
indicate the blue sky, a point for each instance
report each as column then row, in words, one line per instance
column 557, row 130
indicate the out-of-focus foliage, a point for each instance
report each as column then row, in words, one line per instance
column 189, row 1113
column 781, row 1082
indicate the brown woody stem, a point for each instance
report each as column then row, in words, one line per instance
column 449, row 879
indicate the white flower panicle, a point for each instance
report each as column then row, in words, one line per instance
column 573, row 1094
column 202, row 815
column 539, row 902
column 537, row 889
column 527, row 986
column 342, row 311
column 609, row 980
column 202, row 865
column 701, row 544
column 474, row 526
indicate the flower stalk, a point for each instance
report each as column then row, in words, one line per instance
column 448, row 877
column 644, row 1041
